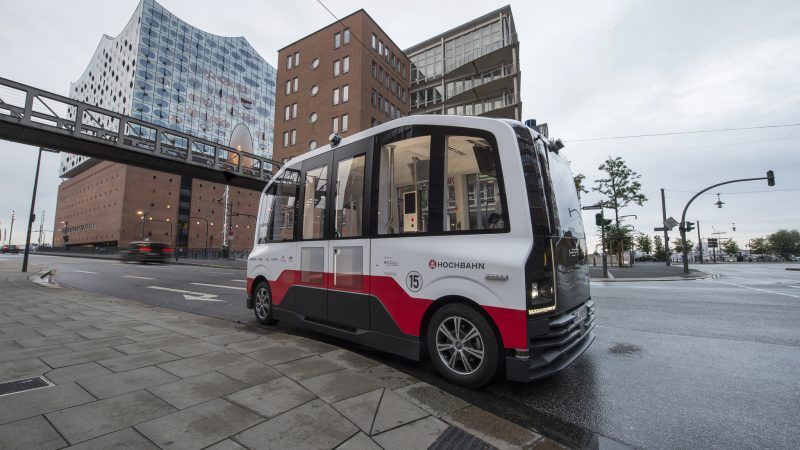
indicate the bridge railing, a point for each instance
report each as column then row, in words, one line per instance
column 34, row 107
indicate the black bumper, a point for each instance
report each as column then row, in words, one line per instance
column 565, row 339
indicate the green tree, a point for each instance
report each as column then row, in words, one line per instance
column 620, row 186
column 678, row 245
column 660, row 254
column 730, row 247
column 759, row 246
column 579, row 184
column 644, row 243
column 785, row 242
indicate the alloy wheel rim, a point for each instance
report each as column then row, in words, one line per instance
column 262, row 303
column 460, row 345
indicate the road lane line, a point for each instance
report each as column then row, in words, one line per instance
column 240, row 281
column 220, row 286
column 222, row 273
column 85, row 271
column 138, row 278
column 760, row 290
column 190, row 295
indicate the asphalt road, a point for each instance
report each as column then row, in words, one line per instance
column 680, row 364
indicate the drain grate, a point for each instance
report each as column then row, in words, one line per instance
column 28, row 384
column 455, row 438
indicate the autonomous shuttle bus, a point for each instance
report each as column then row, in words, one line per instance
column 459, row 238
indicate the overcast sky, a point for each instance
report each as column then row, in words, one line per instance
column 590, row 69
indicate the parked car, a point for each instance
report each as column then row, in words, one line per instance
column 145, row 252
column 10, row 248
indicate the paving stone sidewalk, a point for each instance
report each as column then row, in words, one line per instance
column 128, row 375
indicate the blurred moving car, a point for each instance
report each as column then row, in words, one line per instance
column 10, row 248
column 144, row 252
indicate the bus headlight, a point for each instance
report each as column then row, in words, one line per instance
column 540, row 297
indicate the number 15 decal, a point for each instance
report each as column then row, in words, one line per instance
column 414, row 281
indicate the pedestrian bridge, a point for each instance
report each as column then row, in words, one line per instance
column 39, row 118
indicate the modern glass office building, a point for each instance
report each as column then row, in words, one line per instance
column 472, row 69
column 162, row 70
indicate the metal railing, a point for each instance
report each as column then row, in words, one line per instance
column 24, row 108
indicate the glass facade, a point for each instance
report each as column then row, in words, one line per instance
column 439, row 74
column 162, row 70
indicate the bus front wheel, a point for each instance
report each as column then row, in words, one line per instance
column 262, row 303
column 463, row 346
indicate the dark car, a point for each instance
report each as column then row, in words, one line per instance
column 10, row 248
column 145, row 252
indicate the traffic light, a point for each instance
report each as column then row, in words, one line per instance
column 689, row 226
column 600, row 222
column 770, row 178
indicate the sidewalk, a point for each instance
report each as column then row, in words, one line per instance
column 131, row 375
column 647, row 272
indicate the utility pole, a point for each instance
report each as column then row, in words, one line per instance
column 11, row 233
column 699, row 242
column 664, row 224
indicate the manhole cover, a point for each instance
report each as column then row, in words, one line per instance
column 28, row 384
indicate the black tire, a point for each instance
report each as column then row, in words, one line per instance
column 457, row 359
column 262, row 303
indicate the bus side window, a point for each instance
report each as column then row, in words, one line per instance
column 404, row 176
column 472, row 190
column 277, row 210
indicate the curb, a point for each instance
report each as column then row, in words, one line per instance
column 676, row 278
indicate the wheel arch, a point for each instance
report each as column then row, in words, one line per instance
column 456, row 299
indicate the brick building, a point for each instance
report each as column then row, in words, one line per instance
column 341, row 79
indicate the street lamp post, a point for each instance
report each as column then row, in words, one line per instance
column 171, row 233
column 143, row 216
column 599, row 206
column 205, row 249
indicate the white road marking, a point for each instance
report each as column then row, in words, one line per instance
column 220, row 286
column 190, row 295
column 760, row 290
column 240, row 281
column 223, row 273
column 139, row 278
column 85, row 271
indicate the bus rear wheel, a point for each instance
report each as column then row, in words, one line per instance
column 463, row 346
column 262, row 303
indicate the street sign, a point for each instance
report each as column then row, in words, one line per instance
column 671, row 223
column 712, row 243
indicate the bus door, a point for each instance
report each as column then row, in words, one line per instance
column 349, row 247
column 311, row 299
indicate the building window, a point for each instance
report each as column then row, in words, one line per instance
column 295, row 84
column 337, row 67
column 296, row 59
column 294, row 137
column 312, row 118
column 374, row 98
column 335, row 125
column 345, row 121
column 289, row 60
column 345, row 93
column 337, row 40
column 294, row 110
column 374, row 41
column 315, row 63
column 374, row 70
column 288, row 87
column 346, row 64
column 380, row 47
column 285, row 138
column 314, row 90
column 336, row 96
column 346, row 36
column 286, row 113
column 312, row 145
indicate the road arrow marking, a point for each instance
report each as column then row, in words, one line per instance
column 189, row 295
column 220, row 286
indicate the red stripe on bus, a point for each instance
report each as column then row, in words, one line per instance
column 406, row 311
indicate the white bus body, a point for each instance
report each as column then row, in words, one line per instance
column 486, row 269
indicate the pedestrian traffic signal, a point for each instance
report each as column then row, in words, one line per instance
column 689, row 226
column 600, row 222
column 770, row 178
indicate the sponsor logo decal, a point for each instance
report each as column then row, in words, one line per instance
column 433, row 264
